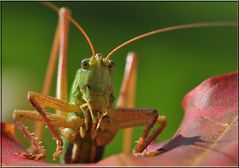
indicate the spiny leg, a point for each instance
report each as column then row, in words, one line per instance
column 127, row 95
column 130, row 117
column 56, row 136
column 144, row 140
column 58, row 121
column 126, row 99
column 39, row 152
column 38, row 100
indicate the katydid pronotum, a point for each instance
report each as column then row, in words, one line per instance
column 89, row 121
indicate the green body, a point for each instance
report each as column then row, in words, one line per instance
column 93, row 84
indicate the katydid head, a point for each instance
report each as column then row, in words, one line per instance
column 95, row 82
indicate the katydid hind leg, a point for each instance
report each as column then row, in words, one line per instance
column 131, row 117
column 61, row 87
column 145, row 139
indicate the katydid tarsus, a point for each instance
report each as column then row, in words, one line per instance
column 89, row 120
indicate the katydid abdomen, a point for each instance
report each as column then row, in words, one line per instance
column 82, row 150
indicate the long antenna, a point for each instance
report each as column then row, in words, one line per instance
column 84, row 34
column 171, row 28
column 56, row 8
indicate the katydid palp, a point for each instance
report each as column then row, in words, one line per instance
column 89, row 121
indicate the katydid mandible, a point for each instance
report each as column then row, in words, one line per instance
column 89, row 121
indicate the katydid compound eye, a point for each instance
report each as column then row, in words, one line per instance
column 85, row 64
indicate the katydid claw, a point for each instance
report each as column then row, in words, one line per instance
column 139, row 147
column 145, row 154
column 137, row 153
column 151, row 153
column 57, row 153
column 33, row 156
column 59, row 149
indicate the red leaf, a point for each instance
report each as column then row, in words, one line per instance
column 208, row 132
column 207, row 135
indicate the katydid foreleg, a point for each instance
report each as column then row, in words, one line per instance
column 126, row 99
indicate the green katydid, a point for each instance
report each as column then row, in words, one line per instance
column 89, row 121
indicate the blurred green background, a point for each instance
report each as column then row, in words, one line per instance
column 170, row 64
